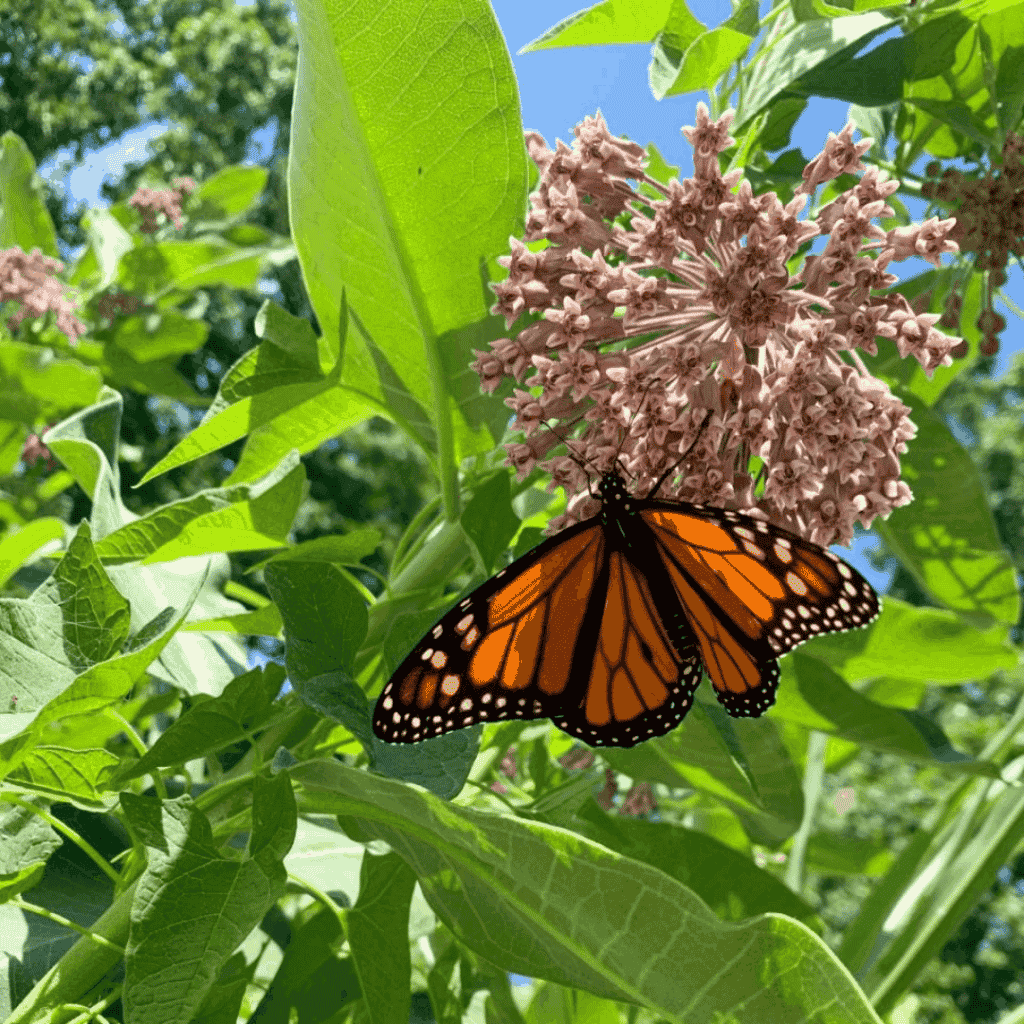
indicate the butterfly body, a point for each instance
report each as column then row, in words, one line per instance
column 605, row 627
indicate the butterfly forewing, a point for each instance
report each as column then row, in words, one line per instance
column 505, row 651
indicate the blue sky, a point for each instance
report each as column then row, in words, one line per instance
column 557, row 89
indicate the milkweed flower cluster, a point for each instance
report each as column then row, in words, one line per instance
column 150, row 202
column 662, row 306
column 30, row 279
column 989, row 223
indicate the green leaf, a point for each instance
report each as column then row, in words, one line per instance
column 378, row 935
column 96, row 616
column 312, row 975
column 227, row 193
column 273, row 394
column 159, row 335
column 19, row 545
column 193, row 904
column 243, row 517
column 291, row 334
column 957, row 115
column 324, row 617
column 946, row 537
column 509, row 890
column 489, row 521
column 72, row 774
column 614, row 22
column 108, row 242
column 87, row 444
column 149, row 270
column 260, row 622
column 342, row 549
column 797, row 49
column 37, row 385
column 24, row 220
column 372, row 204
column 213, row 724
column 821, row 700
column 946, row 648
column 725, row 879
column 27, row 844
column 706, row 59
column 156, row 378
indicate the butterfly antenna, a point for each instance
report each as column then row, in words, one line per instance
column 671, row 469
column 622, row 469
column 571, row 454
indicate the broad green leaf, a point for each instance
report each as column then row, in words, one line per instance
column 24, row 220
column 795, row 49
column 946, row 537
column 612, row 23
column 701, row 755
column 194, row 904
column 489, row 521
column 312, row 974
column 108, row 242
column 155, row 336
column 244, row 517
column 946, row 649
column 509, row 890
column 277, row 391
column 96, row 616
column 261, row 622
column 105, row 682
column 343, row 549
column 157, row 378
column 26, row 846
column 324, row 617
column 37, row 385
column 403, row 220
column 78, row 776
column 227, row 193
column 149, row 270
column 727, row 881
column 833, row 854
column 877, row 78
column 87, row 444
column 1003, row 37
column 706, row 59
column 814, row 696
column 377, row 928
column 211, row 725
column 19, row 545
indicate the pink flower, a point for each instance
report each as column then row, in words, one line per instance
column 655, row 313
column 30, row 280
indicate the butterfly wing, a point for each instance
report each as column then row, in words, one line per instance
column 503, row 652
column 752, row 592
column 573, row 631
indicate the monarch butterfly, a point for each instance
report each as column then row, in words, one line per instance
column 605, row 627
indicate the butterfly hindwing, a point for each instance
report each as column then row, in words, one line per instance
column 645, row 667
column 752, row 592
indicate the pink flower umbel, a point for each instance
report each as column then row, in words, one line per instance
column 657, row 312
column 151, row 202
column 30, row 280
